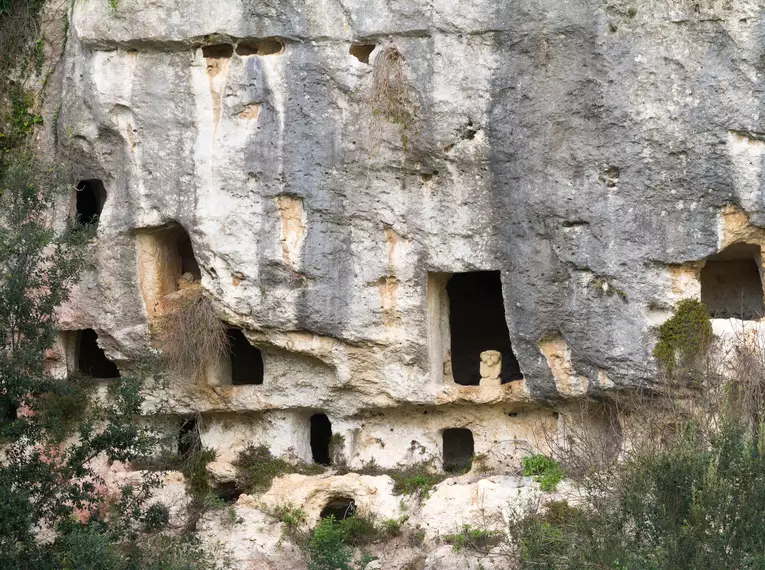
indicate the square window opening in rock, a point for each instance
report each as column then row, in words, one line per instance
column 458, row 450
column 321, row 434
column 246, row 360
column 91, row 359
column 731, row 283
column 477, row 324
column 89, row 201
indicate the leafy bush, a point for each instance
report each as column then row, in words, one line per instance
column 409, row 480
column 685, row 338
column 290, row 515
column 545, row 470
column 156, row 517
column 258, row 468
column 473, row 539
column 697, row 501
column 329, row 548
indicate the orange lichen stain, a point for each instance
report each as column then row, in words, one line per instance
column 389, row 283
column 251, row 111
column 293, row 230
column 736, row 228
column 389, row 299
column 685, row 277
column 216, row 67
column 558, row 355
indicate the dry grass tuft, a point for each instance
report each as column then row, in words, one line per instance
column 192, row 336
column 393, row 98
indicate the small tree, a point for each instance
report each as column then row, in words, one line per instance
column 52, row 431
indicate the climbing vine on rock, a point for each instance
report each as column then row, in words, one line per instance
column 685, row 338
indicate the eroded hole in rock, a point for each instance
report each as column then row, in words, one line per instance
column 362, row 51
column 321, row 434
column 731, row 283
column 90, row 200
column 610, row 176
column 218, row 51
column 458, row 450
column 477, row 324
column 340, row 508
column 228, row 492
column 189, row 438
column 91, row 360
column 185, row 251
column 266, row 46
column 246, row 360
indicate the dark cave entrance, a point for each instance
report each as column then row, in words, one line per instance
column 246, row 360
column 321, row 434
column 218, row 51
column 731, row 284
column 90, row 200
column 458, row 450
column 340, row 508
column 477, row 323
column 91, row 359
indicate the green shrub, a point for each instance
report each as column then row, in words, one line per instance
column 684, row 338
column 473, row 539
column 410, row 480
column 545, row 470
column 327, row 549
column 258, row 468
column 695, row 502
column 392, row 527
column 290, row 515
column 156, row 517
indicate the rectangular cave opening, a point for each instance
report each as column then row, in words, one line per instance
column 90, row 358
column 458, row 450
column 321, row 434
column 731, row 283
column 166, row 263
column 246, row 360
column 477, row 324
column 90, row 197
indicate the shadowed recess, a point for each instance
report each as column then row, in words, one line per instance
column 91, row 360
column 458, row 450
column 91, row 197
column 477, row 323
column 321, row 433
column 246, row 360
column 731, row 283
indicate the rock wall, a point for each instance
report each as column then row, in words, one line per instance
column 595, row 154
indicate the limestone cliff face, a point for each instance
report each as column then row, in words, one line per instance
column 569, row 147
column 595, row 153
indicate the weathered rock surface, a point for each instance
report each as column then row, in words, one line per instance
column 594, row 153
